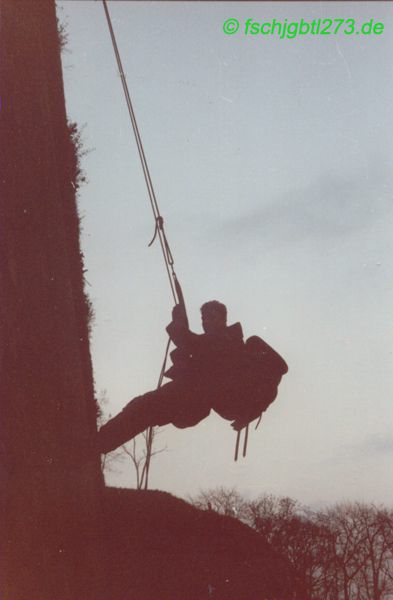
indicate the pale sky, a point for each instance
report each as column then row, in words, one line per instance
column 272, row 164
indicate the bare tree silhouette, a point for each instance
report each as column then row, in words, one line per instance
column 136, row 450
column 342, row 553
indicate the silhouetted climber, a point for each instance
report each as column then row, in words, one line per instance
column 214, row 370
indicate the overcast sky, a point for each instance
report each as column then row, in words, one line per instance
column 272, row 163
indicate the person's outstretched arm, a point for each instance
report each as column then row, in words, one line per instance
column 179, row 331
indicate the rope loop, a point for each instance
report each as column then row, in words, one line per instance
column 168, row 252
column 160, row 231
column 159, row 227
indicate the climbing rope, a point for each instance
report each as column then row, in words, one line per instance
column 159, row 221
column 149, row 433
column 159, row 230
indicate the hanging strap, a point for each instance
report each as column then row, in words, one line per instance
column 245, row 442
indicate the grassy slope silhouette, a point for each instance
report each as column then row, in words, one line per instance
column 159, row 547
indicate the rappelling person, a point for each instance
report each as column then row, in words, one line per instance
column 214, row 370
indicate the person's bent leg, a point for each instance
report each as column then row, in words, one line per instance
column 142, row 412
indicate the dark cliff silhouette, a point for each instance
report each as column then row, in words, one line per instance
column 49, row 476
column 63, row 537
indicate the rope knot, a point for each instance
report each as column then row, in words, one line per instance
column 159, row 226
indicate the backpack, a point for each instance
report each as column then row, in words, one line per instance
column 259, row 373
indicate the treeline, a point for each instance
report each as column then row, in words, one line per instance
column 341, row 553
